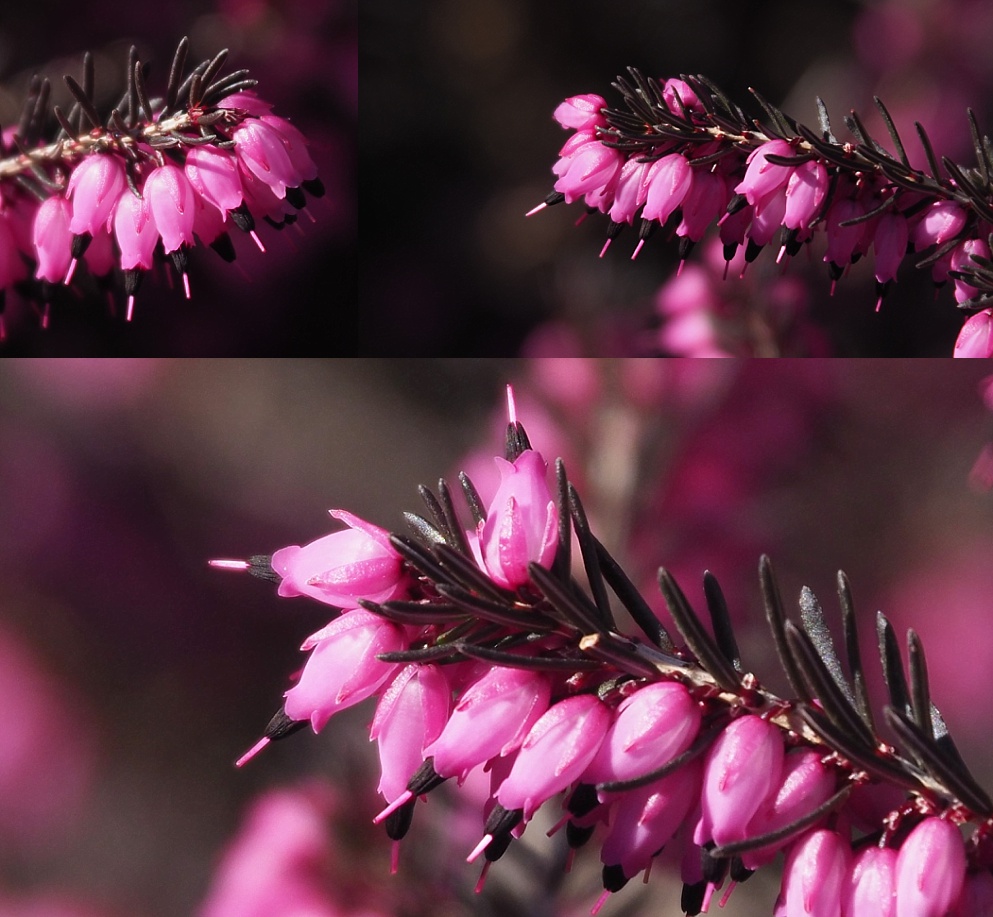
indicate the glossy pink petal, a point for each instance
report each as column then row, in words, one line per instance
column 94, row 187
column 52, row 238
column 172, row 205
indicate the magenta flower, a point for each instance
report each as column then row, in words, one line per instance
column 343, row 669
column 806, row 783
column 592, row 169
column 492, row 718
column 643, row 821
column 975, row 338
column 215, row 176
column 843, row 241
column 742, row 770
column 674, row 88
column 942, row 221
column 261, row 150
column 410, row 715
column 815, row 876
column 930, row 870
column 555, row 752
column 171, row 203
column 581, row 113
column 631, row 191
column 871, row 888
column 805, row 192
column 94, row 188
column 52, row 239
column 649, row 729
column 762, row 178
column 521, row 524
column 669, row 181
column 890, row 242
column 343, row 567
column 703, row 204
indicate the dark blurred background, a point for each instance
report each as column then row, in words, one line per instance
column 297, row 297
column 133, row 675
column 457, row 143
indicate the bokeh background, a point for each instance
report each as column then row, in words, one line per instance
column 457, row 143
column 133, row 675
column 299, row 298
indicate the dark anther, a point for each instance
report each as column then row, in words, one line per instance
column 281, row 726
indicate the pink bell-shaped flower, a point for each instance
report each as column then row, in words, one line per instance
column 673, row 88
column 815, row 876
column 521, row 525
column 843, row 241
column 703, row 204
column 261, row 150
column 52, row 238
column 930, row 870
column 171, row 202
column 631, row 191
column 741, row 772
column 342, row 668
column 215, row 176
column 644, row 819
column 94, row 188
column 582, row 112
column 649, row 729
column 135, row 233
column 491, row 719
column 762, row 178
column 890, row 243
column 961, row 260
column 343, row 567
column 806, row 784
column 871, row 884
column 557, row 750
column 976, row 337
column 410, row 715
column 593, row 168
column 669, row 182
column 805, row 192
column 942, row 221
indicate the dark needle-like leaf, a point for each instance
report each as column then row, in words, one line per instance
column 721, row 620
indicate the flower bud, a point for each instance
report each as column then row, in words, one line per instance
column 762, row 177
column 343, row 669
column 490, row 719
column 930, row 870
column 410, row 715
column 582, row 112
column 52, row 239
column 343, row 567
column 521, row 524
column 557, row 750
column 975, row 339
column 669, row 182
column 171, row 202
column 871, row 887
column 650, row 728
column 94, row 187
column 742, row 770
column 815, row 875
column 805, row 193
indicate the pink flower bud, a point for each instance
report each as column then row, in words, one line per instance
column 805, row 193
column 262, row 151
column 649, row 729
column 767, row 216
column 521, row 524
column 962, row 261
column 890, row 242
column 581, row 113
column 343, row 567
column 741, row 772
column 593, row 168
column 172, row 206
column 871, row 887
column 762, row 177
column 806, row 783
column 52, row 239
column 643, row 820
column 410, row 715
column 557, row 750
column 930, row 870
column 343, row 669
column 215, row 176
column 942, row 221
column 669, row 182
column 842, row 241
column 295, row 145
column 247, row 102
column 631, row 190
column 135, row 232
column 491, row 719
column 94, row 187
column 815, row 875
column 975, row 338
column 680, row 88
column 703, row 204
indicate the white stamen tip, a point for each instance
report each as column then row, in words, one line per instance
column 258, row 241
column 535, row 210
column 511, row 405
column 229, row 564
column 252, row 752
column 479, row 848
column 130, row 307
column 70, row 272
column 186, row 284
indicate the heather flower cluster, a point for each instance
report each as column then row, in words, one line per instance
column 146, row 183
column 485, row 653
column 683, row 157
